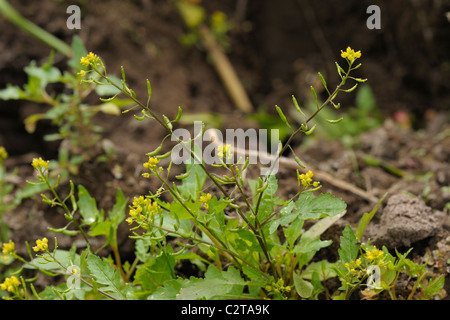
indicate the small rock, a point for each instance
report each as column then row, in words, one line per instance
column 405, row 220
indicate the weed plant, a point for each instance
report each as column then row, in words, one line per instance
column 247, row 245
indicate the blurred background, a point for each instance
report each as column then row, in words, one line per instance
column 275, row 47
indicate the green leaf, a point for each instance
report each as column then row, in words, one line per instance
column 78, row 51
column 117, row 214
column 154, row 273
column 349, row 247
column 88, row 207
column 303, row 287
column 106, row 89
column 322, row 225
column 434, row 286
column 170, row 290
column 307, row 245
column 179, row 211
column 45, row 74
column 269, row 199
column 366, row 218
column 12, row 93
column 63, row 256
column 193, row 183
column 308, row 207
column 323, row 268
column 110, row 108
column 365, row 99
column 293, row 231
column 258, row 279
column 106, row 275
column 215, row 285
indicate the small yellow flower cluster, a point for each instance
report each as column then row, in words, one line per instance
column 218, row 18
column 41, row 245
column 39, row 163
column 350, row 54
column 10, row 283
column 151, row 165
column 225, row 151
column 90, row 58
column 307, row 181
column 278, row 287
column 9, row 248
column 3, row 154
column 142, row 209
column 374, row 254
column 204, row 199
column 353, row 265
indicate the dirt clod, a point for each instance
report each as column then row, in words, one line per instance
column 405, row 220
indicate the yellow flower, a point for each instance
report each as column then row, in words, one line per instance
column 41, row 245
column 39, row 163
column 151, row 163
column 353, row 266
column 350, row 54
column 218, row 18
column 3, row 153
column 10, row 283
column 138, row 200
column 9, row 248
column 374, row 254
column 142, row 208
column 205, row 199
column 133, row 213
column 278, row 287
column 90, row 58
column 306, row 179
column 224, row 151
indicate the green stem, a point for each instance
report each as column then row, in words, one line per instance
column 147, row 109
column 16, row 18
column 257, row 229
column 218, row 247
column 418, row 281
column 300, row 129
column 66, row 208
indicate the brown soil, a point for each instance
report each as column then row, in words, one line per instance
column 277, row 51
